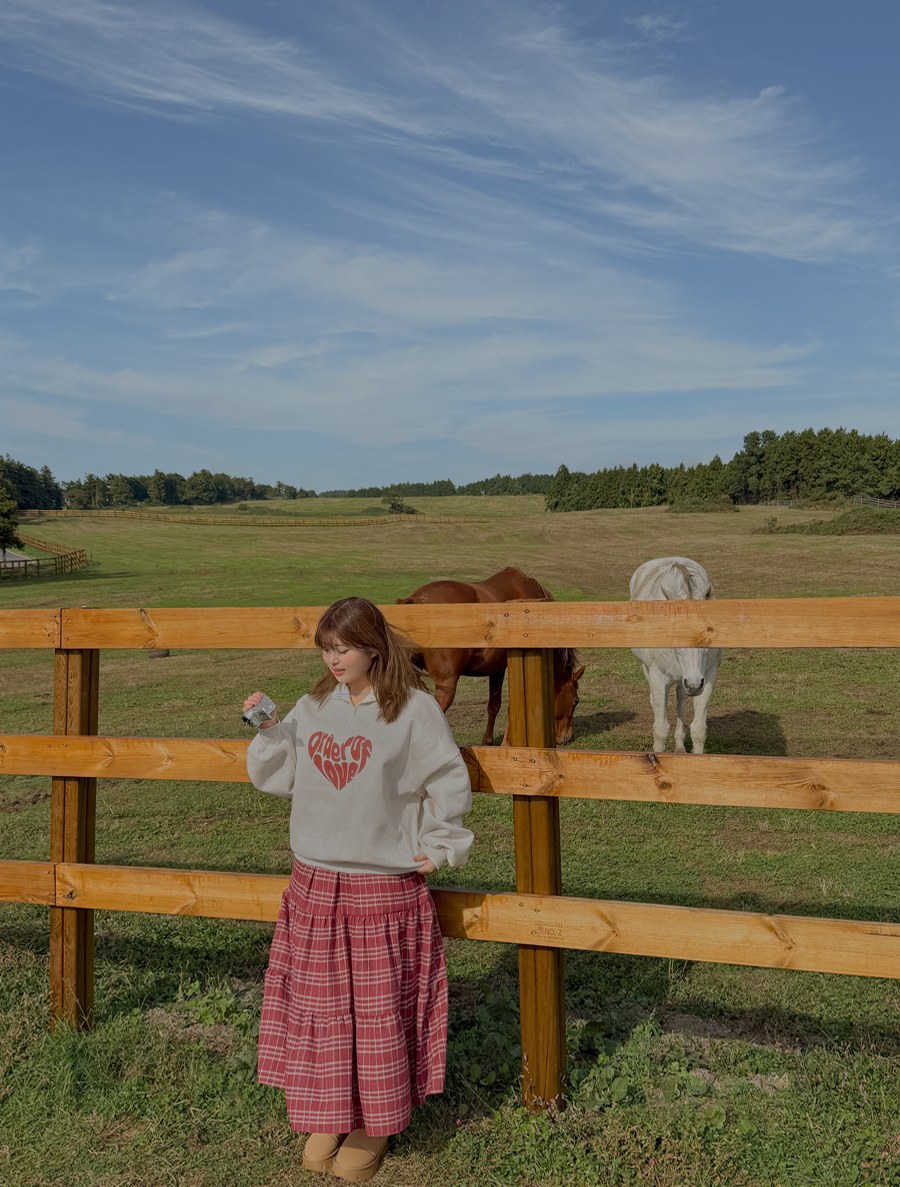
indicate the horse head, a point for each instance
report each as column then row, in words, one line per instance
column 565, row 684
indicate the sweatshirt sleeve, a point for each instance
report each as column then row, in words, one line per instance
column 272, row 757
column 448, row 790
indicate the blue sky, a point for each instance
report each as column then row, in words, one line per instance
column 350, row 243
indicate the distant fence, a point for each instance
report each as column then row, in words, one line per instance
column 536, row 916
column 252, row 520
column 872, row 502
column 64, row 560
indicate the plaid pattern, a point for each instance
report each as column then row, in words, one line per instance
column 354, row 1014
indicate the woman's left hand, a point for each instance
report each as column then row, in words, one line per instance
column 426, row 865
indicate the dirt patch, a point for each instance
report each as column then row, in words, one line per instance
column 770, row 1083
column 220, row 1037
column 26, row 801
column 696, row 1027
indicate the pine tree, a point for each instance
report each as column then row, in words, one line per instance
column 8, row 517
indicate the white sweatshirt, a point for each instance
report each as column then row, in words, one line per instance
column 367, row 794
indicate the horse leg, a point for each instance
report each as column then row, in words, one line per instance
column 445, row 691
column 495, row 681
column 659, row 689
column 680, row 702
column 698, row 725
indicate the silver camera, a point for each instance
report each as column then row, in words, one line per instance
column 260, row 713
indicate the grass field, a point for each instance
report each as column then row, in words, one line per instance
column 683, row 1075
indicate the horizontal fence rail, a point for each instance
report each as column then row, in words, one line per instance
column 765, row 622
column 52, row 547
column 746, row 781
column 873, row 501
column 859, row 947
column 30, row 628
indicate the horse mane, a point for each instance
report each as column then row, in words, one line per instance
column 565, row 659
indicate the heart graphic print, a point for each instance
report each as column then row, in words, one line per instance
column 339, row 762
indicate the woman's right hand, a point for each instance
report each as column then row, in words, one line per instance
column 253, row 699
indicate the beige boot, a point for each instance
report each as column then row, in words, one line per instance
column 359, row 1157
column 320, row 1149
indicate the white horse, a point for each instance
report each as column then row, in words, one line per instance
column 692, row 670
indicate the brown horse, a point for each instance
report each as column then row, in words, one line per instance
column 446, row 665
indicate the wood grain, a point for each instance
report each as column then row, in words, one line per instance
column 764, row 622
column 857, row 947
column 747, row 781
column 28, row 882
column 30, row 628
column 542, row 1003
column 76, row 695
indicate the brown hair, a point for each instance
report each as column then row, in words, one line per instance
column 358, row 623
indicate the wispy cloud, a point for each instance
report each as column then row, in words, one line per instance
column 516, row 96
column 181, row 60
column 208, row 331
column 17, row 267
column 387, row 388
column 657, row 27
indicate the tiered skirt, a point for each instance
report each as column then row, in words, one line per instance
column 354, row 1015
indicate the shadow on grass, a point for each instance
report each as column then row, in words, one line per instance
column 600, row 723
column 745, row 732
column 618, row 992
column 95, row 572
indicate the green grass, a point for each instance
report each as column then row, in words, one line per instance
column 681, row 1073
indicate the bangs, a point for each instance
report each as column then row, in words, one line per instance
column 328, row 638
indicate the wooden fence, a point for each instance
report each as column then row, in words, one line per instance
column 536, row 916
column 63, row 560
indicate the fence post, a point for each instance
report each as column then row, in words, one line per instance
column 532, row 722
column 72, row 832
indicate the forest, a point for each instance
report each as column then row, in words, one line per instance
column 815, row 465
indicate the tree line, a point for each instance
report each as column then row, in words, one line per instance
column 203, row 487
column 813, row 465
column 500, row 484
column 33, row 489
column 38, row 490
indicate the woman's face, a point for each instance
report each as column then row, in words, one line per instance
column 348, row 665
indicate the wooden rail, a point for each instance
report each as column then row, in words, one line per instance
column 550, row 922
column 51, row 546
column 741, row 781
column 857, row 947
column 769, row 622
column 536, row 917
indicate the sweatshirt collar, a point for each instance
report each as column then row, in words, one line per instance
column 342, row 693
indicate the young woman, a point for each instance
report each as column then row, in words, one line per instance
column 354, row 1016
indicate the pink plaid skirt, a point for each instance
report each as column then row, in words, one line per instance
column 354, row 1014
